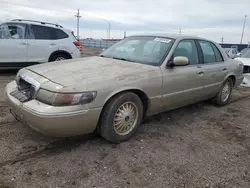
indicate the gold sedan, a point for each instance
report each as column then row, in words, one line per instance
column 139, row 76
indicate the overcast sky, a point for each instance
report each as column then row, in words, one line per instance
column 206, row 18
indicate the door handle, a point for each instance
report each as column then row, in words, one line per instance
column 52, row 44
column 200, row 72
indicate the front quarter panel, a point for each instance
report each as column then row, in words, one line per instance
column 149, row 82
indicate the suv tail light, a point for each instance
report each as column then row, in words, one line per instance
column 78, row 45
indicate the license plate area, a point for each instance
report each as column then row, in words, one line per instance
column 22, row 96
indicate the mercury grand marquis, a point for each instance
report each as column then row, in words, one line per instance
column 111, row 93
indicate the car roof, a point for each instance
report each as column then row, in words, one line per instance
column 41, row 23
column 170, row 35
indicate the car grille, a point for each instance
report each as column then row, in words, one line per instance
column 246, row 69
column 24, row 92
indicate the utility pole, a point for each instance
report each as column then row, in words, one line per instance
column 78, row 19
column 222, row 40
column 108, row 32
column 179, row 31
column 244, row 24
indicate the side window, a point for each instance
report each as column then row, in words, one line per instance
column 12, row 31
column 187, row 48
column 41, row 33
column 208, row 52
column 60, row 34
column 29, row 34
column 47, row 33
column 218, row 55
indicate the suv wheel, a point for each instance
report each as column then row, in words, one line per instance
column 59, row 57
column 121, row 117
column 224, row 94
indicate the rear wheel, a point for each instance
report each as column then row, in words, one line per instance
column 224, row 94
column 59, row 57
column 121, row 117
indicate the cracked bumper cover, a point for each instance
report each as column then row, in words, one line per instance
column 51, row 120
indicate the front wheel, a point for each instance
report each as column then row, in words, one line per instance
column 225, row 92
column 121, row 117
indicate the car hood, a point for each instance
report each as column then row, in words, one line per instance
column 91, row 70
column 245, row 61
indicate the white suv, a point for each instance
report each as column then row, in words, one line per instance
column 27, row 42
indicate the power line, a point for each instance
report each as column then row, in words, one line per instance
column 180, row 30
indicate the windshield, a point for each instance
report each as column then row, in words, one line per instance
column 140, row 49
column 246, row 54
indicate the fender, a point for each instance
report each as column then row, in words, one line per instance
column 153, row 104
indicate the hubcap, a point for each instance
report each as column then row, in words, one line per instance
column 126, row 118
column 60, row 59
column 225, row 92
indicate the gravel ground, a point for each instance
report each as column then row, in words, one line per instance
column 197, row 146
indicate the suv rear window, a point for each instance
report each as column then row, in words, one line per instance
column 48, row 33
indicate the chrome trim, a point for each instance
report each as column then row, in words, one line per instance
column 31, row 81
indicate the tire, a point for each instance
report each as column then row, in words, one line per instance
column 131, row 121
column 219, row 99
column 59, row 57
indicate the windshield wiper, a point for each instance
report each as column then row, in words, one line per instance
column 123, row 59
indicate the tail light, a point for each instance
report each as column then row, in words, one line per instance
column 78, row 45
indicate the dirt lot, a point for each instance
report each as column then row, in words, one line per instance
column 196, row 146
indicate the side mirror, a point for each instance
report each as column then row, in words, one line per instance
column 238, row 54
column 180, row 61
column 103, row 49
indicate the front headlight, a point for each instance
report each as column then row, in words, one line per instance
column 65, row 99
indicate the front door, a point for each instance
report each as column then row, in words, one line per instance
column 13, row 44
column 183, row 85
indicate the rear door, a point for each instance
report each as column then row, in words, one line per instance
column 213, row 67
column 43, row 45
column 13, row 45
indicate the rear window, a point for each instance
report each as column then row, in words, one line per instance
column 218, row 55
column 48, row 33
